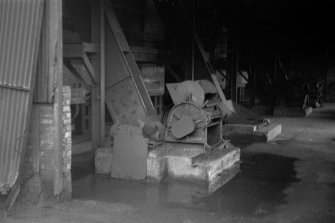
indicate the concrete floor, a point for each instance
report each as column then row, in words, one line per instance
column 291, row 179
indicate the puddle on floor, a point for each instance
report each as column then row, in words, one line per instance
column 258, row 189
column 255, row 191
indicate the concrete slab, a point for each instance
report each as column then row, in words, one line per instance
column 103, row 161
column 187, row 193
column 180, row 167
column 189, row 162
column 177, row 149
column 270, row 131
column 222, row 178
column 157, row 161
column 156, row 169
column 216, row 162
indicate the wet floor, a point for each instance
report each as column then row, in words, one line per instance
column 290, row 179
column 82, row 165
column 256, row 191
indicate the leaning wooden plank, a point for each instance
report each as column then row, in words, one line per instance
column 128, row 59
column 218, row 88
column 115, row 25
column 90, row 68
column 136, row 75
column 77, row 50
column 76, row 67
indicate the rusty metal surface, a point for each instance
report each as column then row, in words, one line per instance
column 20, row 24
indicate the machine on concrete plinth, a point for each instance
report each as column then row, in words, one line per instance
column 192, row 118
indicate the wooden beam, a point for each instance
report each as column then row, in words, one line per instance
column 78, row 50
column 102, row 72
column 218, row 88
column 115, row 26
column 96, row 97
column 89, row 67
column 244, row 77
column 72, row 65
column 232, row 60
column 128, row 59
column 55, row 33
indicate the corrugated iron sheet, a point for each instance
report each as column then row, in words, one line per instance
column 20, row 26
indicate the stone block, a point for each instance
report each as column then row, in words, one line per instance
column 158, row 158
column 103, row 161
column 223, row 177
column 180, row 167
column 156, row 169
column 216, row 162
column 270, row 131
column 189, row 162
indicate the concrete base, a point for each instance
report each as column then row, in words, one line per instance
column 103, row 161
column 190, row 162
column 263, row 133
column 158, row 160
column 156, row 169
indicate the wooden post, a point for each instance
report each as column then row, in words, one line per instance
column 102, row 72
column 55, row 33
column 233, row 69
column 252, row 80
column 193, row 33
column 233, row 57
column 96, row 92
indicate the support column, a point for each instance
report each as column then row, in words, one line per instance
column 54, row 8
column 232, row 60
column 96, row 89
column 188, row 57
column 233, row 68
column 102, row 74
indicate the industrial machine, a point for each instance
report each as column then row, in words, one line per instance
column 196, row 116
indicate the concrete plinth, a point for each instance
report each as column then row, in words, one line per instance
column 103, row 161
column 156, row 169
column 190, row 162
column 160, row 157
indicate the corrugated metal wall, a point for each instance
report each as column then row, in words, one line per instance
column 20, row 26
